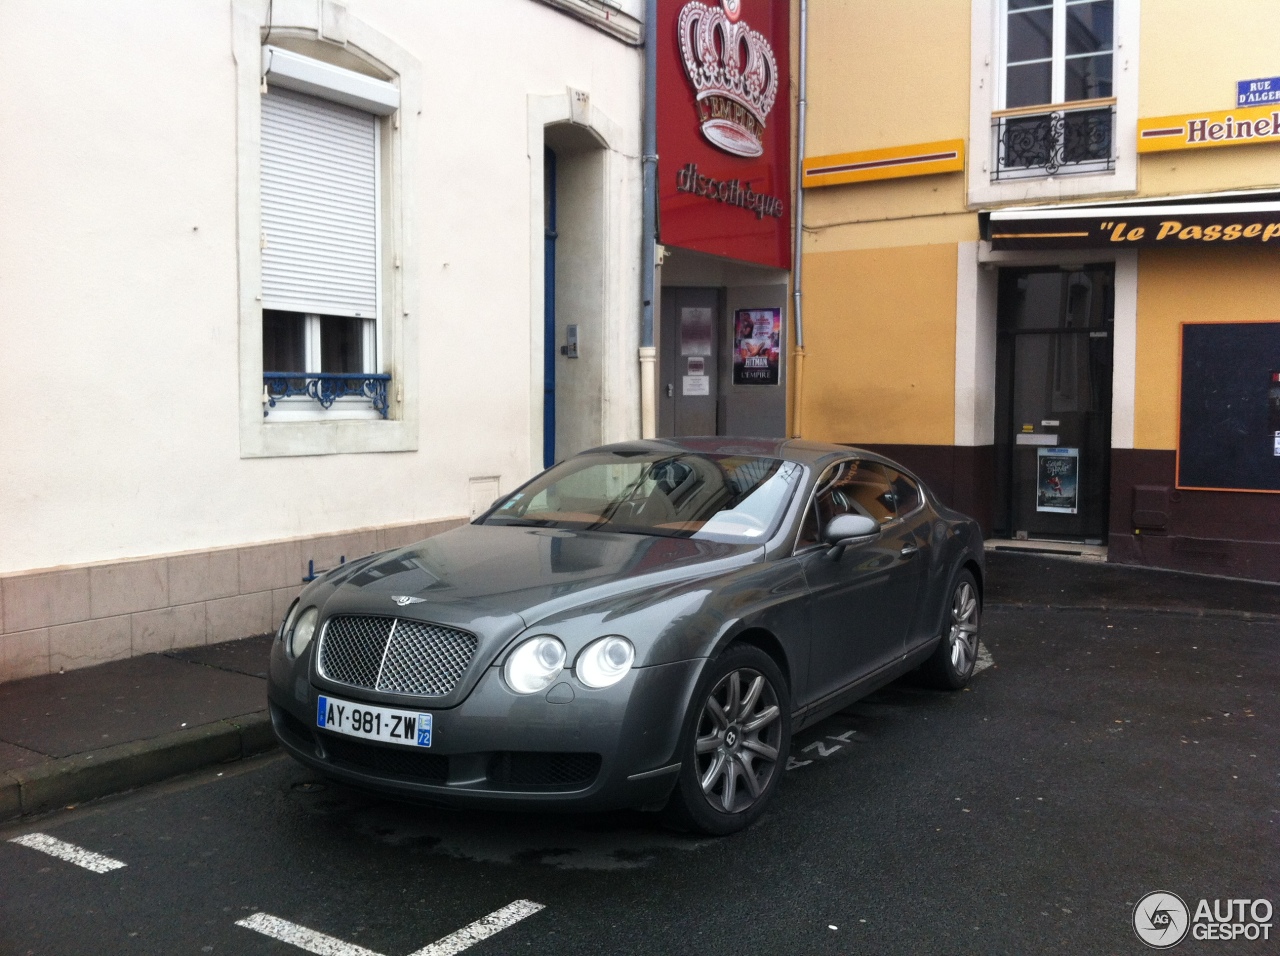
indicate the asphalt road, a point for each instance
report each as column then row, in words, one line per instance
column 1102, row 757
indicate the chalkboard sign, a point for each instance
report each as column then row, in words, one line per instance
column 1229, row 429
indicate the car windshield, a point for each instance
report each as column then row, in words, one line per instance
column 732, row 498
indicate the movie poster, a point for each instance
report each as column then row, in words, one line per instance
column 1058, row 480
column 757, row 336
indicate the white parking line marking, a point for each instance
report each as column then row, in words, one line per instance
column 300, row 936
column 823, row 749
column 843, row 738
column 323, row 945
column 984, row 659
column 95, row 862
column 482, row 928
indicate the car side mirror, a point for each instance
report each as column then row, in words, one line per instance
column 845, row 530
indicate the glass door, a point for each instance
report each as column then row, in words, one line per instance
column 1053, row 413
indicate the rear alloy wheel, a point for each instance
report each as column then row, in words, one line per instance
column 952, row 662
column 735, row 745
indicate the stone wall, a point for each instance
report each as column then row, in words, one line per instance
column 59, row 619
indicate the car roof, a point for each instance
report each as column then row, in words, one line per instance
column 791, row 449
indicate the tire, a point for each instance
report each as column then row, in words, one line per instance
column 952, row 662
column 735, row 743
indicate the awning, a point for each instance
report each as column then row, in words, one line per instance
column 1241, row 218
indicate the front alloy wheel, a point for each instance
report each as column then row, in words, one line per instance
column 737, row 741
column 739, row 734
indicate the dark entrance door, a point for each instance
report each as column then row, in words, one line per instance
column 690, row 381
column 1053, row 394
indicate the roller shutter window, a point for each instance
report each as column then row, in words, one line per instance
column 319, row 207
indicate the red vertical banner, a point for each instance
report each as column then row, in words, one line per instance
column 724, row 128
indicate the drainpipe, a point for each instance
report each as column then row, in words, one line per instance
column 797, row 267
column 649, row 151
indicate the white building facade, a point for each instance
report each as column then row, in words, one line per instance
column 284, row 282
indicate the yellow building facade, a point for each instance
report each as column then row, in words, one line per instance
column 1038, row 265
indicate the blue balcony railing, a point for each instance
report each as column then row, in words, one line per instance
column 325, row 388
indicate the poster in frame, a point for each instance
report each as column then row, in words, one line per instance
column 757, row 338
column 1058, row 480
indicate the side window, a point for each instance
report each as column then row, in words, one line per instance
column 809, row 535
column 848, row 487
column 906, row 492
column 826, row 504
column 867, row 486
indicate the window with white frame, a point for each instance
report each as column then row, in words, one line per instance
column 320, row 192
column 1057, row 98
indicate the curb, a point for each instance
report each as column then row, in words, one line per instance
column 1260, row 616
column 80, row 777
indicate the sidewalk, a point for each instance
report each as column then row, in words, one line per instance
column 65, row 738
column 70, row 737
column 1032, row 579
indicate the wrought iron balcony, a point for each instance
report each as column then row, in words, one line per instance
column 324, row 387
column 1056, row 141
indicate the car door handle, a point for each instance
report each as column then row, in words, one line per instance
column 909, row 550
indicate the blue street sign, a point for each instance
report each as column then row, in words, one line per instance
column 1258, row 92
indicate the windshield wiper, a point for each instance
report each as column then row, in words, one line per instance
column 519, row 522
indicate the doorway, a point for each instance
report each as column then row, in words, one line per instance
column 689, row 386
column 1053, row 402
column 574, row 291
column 549, row 337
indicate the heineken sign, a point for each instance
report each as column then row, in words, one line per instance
column 1239, row 127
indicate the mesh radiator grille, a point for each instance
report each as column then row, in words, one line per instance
column 394, row 655
column 427, row 768
column 520, row 770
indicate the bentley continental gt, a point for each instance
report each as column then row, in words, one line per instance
column 642, row 625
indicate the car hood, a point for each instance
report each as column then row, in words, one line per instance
column 485, row 577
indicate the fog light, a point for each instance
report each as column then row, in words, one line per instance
column 534, row 664
column 303, row 628
column 605, row 662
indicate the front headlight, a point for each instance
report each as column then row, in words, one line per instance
column 303, row 628
column 534, row 664
column 605, row 662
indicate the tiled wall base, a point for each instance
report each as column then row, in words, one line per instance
column 59, row 619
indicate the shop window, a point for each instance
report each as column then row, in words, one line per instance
column 1057, row 106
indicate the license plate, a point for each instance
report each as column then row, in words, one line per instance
column 387, row 724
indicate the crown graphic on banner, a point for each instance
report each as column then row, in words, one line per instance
column 733, row 71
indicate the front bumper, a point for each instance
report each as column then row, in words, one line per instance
column 502, row 750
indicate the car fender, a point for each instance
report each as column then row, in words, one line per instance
column 964, row 556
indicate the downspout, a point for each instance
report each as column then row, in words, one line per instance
column 649, row 161
column 797, row 267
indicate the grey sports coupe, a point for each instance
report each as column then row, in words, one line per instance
column 644, row 625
